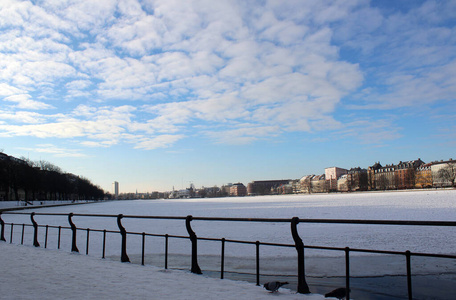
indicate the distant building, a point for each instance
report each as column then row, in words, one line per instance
column 319, row 184
column 265, row 187
column 343, row 184
column 238, row 189
column 115, row 189
column 371, row 171
column 423, row 176
column 357, row 179
column 385, row 178
column 292, row 187
column 406, row 173
column 306, row 184
column 332, row 175
column 444, row 173
column 225, row 189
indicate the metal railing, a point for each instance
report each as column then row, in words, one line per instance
column 302, row 286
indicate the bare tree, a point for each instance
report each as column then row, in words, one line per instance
column 47, row 166
column 447, row 174
column 383, row 182
column 306, row 185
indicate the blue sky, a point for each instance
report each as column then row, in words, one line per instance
column 156, row 94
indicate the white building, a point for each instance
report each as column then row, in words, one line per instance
column 446, row 178
column 115, row 189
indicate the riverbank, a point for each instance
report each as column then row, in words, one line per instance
column 19, row 205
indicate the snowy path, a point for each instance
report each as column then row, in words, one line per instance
column 37, row 273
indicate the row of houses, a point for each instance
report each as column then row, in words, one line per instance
column 414, row 174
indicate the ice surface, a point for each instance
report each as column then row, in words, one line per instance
column 430, row 205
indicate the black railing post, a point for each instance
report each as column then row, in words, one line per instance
column 303, row 288
column 194, row 239
column 257, row 247
column 87, row 243
column 35, row 230
column 222, row 260
column 46, row 237
column 347, row 272
column 60, row 233
column 104, row 243
column 143, row 248
column 2, row 232
column 124, row 257
column 22, row 236
column 74, row 248
column 409, row 274
column 11, row 235
column 166, row 250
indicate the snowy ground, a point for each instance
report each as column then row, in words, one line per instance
column 429, row 205
column 23, row 204
column 36, row 273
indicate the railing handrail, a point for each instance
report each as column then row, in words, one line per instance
column 302, row 285
column 265, row 220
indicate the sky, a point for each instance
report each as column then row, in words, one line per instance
column 162, row 94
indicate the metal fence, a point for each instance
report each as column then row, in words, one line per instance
column 302, row 286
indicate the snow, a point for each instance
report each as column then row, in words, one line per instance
column 37, row 273
column 430, row 205
column 22, row 204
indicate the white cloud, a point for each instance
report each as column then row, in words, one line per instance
column 23, row 101
column 370, row 131
column 55, row 150
column 409, row 54
column 22, row 117
column 220, row 64
column 245, row 134
column 160, row 141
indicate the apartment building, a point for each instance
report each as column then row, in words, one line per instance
column 444, row 173
column 238, row 189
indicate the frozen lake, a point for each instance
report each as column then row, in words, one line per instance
column 430, row 205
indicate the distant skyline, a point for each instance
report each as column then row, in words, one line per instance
column 156, row 94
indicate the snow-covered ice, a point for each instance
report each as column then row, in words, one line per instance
column 430, row 205
column 37, row 273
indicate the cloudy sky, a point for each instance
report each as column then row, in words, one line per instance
column 156, row 94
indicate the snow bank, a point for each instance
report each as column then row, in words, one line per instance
column 37, row 273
